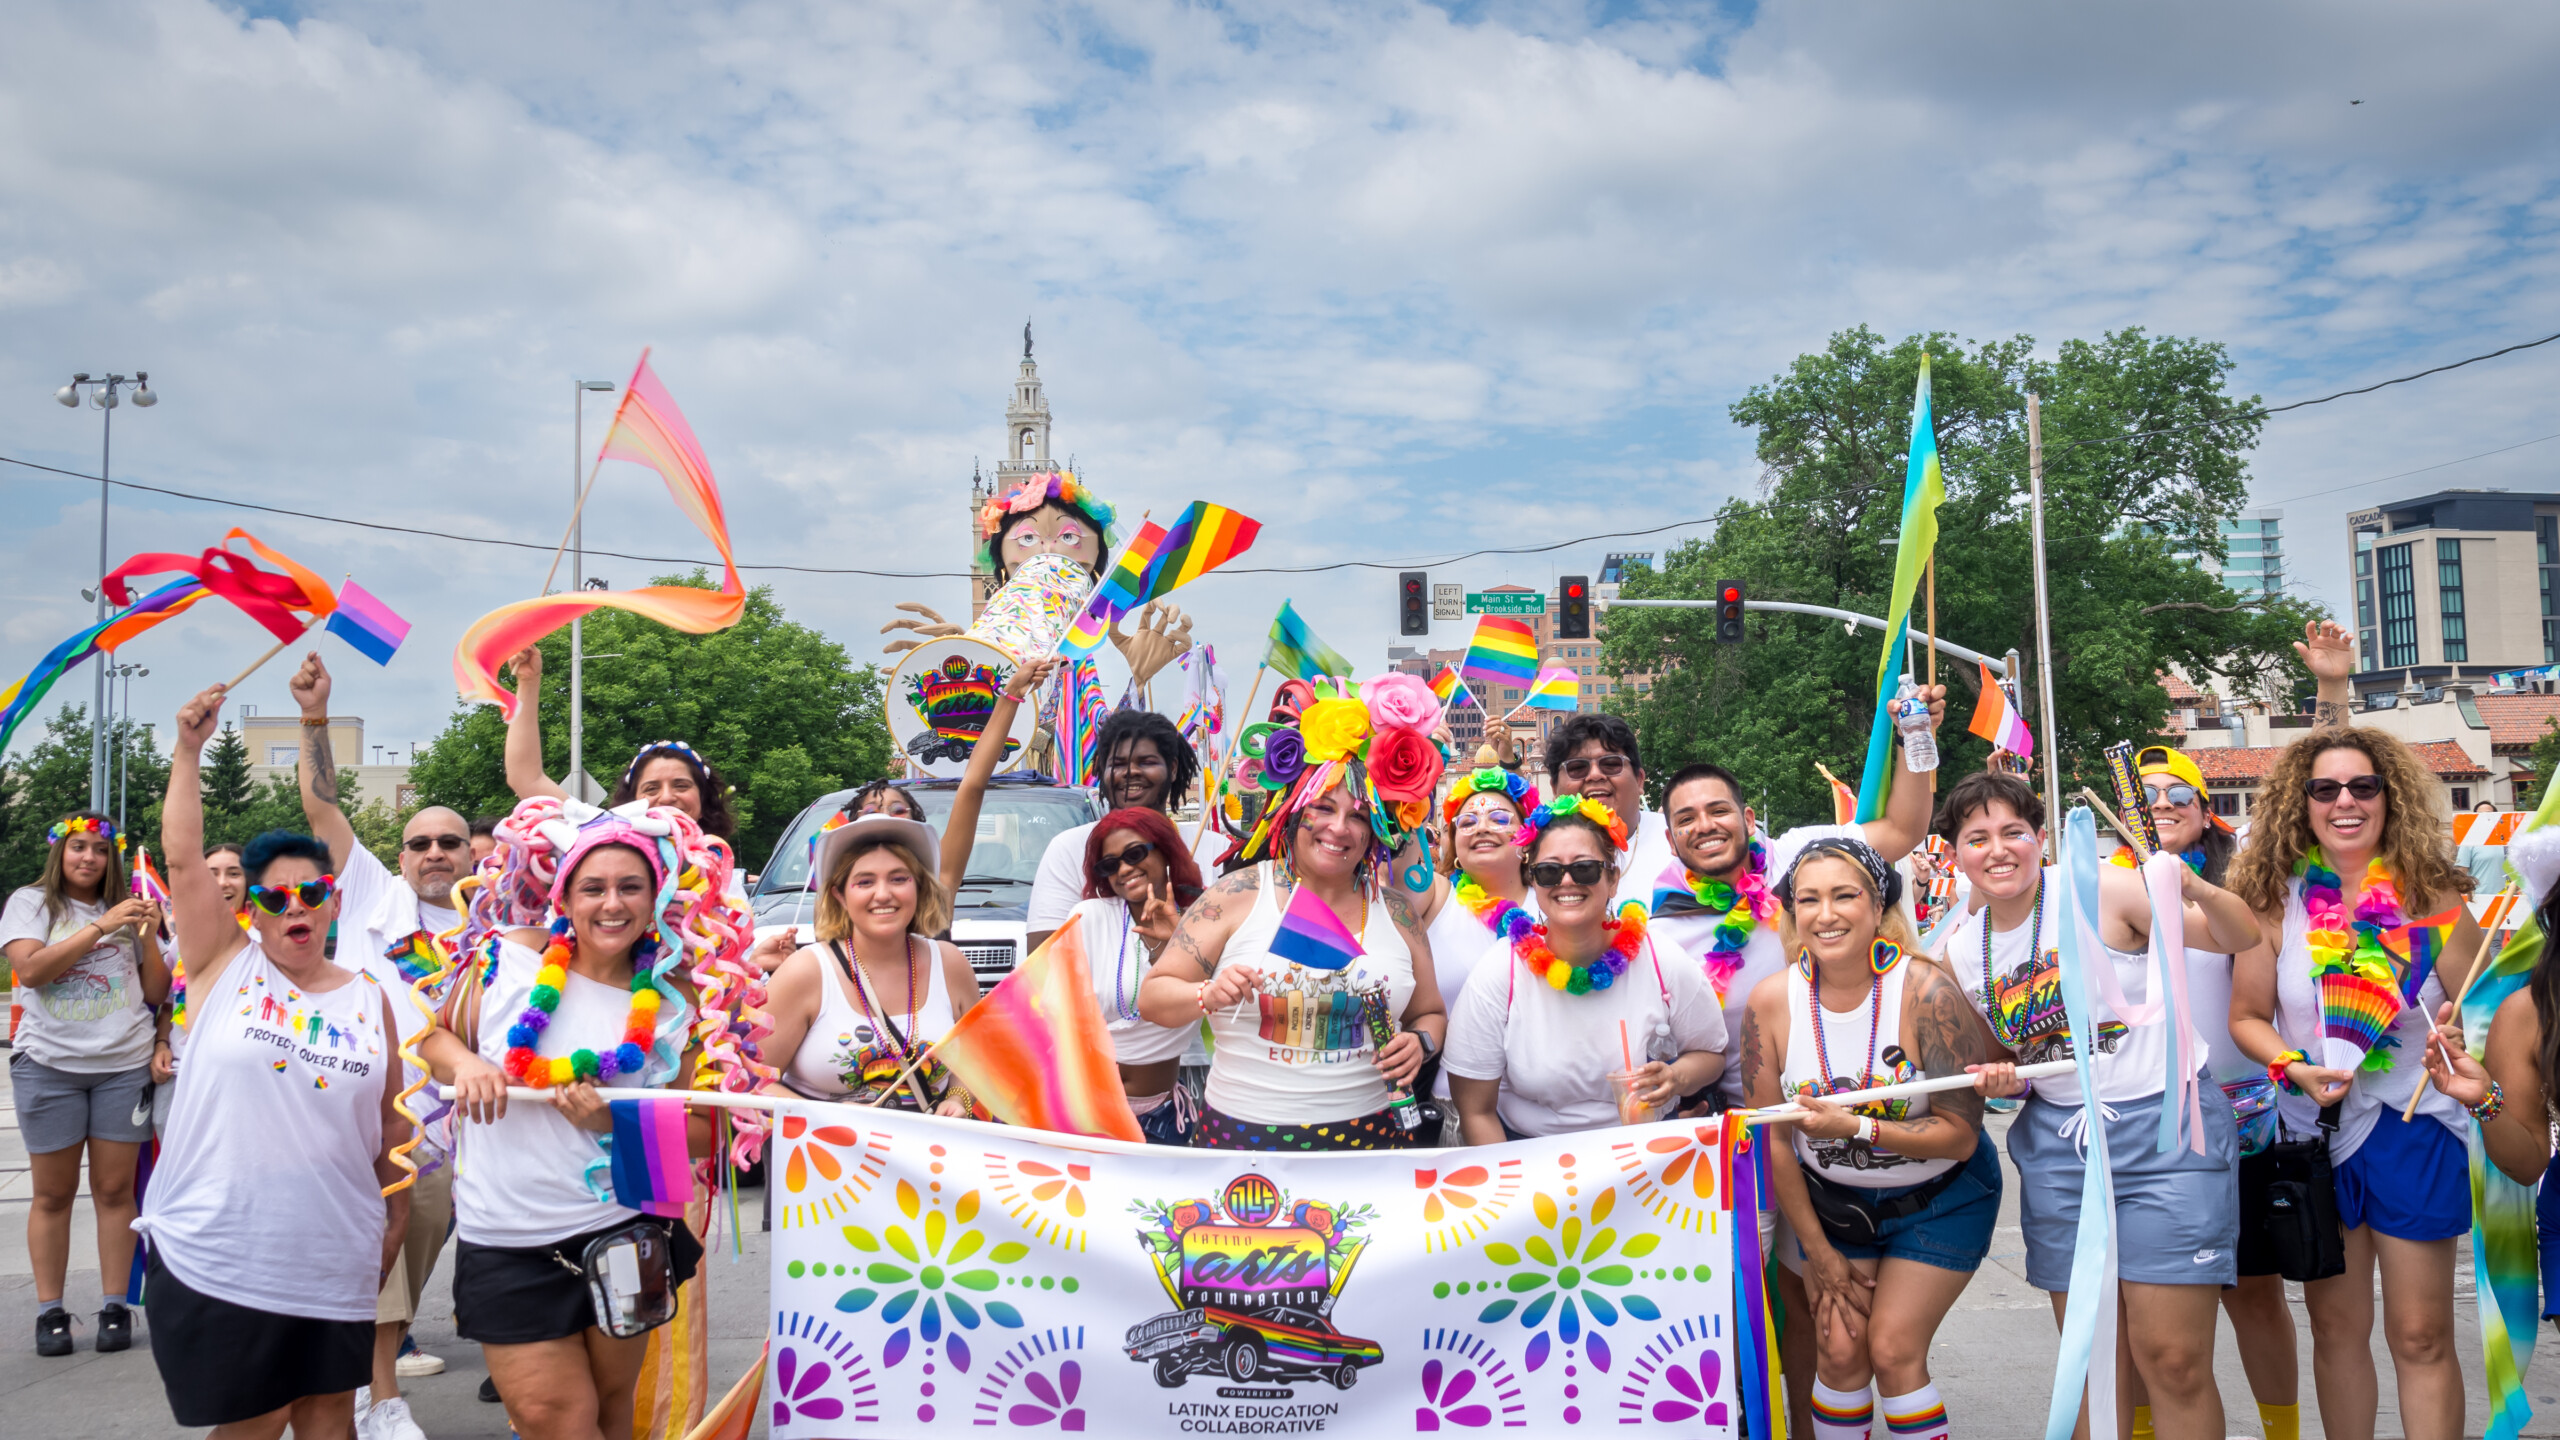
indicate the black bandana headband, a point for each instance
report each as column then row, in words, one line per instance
column 1886, row 881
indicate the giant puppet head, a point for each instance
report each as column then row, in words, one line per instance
column 1049, row 514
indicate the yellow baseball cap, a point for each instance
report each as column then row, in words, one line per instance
column 2161, row 760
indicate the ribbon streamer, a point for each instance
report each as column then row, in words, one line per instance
column 2089, row 1311
column 2164, row 880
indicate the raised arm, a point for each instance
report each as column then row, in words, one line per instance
column 524, row 733
column 317, row 763
column 1898, row 831
column 960, row 829
column 2330, row 655
column 208, row 936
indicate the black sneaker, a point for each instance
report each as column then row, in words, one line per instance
column 115, row 1329
column 53, row 1333
column 488, row 1386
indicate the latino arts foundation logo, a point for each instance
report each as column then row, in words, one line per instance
column 1253, row 1280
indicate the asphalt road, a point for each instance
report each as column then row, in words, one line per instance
column 1994, row 1357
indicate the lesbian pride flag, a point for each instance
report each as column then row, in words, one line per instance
column 1036, row 1051
column 1312, row 935
column 1998, row 721
column 652, row 1170
column 1502, row 653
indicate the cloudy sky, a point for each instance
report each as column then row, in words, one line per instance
column 1372, row 272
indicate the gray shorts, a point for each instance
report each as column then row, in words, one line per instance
column 58, row 1109
column 2177, row 1215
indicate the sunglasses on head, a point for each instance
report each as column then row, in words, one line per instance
column 421, row 844
column 1132, row 857
column 2363, row 787
column 1547, row 874
column 1610, row 766
column 276, row 899
column 2178, row 794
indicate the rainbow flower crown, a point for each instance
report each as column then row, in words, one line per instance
column 1487, row 781
column 1535, row 823
column 84, row 825
column 1056, row 485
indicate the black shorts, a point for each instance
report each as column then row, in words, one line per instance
column 221, row 1362
column 524, row 1297
column 2257, row 1254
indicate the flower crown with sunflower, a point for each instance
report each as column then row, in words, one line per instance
column 1058, row 486
column 1378, row 744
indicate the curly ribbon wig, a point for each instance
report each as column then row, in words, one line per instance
column 1057, row 487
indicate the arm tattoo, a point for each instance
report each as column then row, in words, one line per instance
column 1950, row 1038
column 323, row 761
column 2329, row 715
column 1751, row 1051
column 1399, row 908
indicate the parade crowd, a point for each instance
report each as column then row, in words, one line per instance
column 1531, row 964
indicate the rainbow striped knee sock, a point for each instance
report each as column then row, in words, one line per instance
column 1842, row 1414
column 1920, row 1415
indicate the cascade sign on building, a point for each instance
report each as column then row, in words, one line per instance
column 932, row 1275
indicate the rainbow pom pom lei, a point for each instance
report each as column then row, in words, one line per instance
column 526, row 1067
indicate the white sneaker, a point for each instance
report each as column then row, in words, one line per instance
column 418, row 1363
column 364, row 1412
column 390, row 1420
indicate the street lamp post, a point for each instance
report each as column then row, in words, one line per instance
column 577, row 581
column 123, row 718
column 102, row 394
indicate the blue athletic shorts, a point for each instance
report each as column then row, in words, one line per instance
column 2410, row 1180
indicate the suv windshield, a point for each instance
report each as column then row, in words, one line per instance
column 1015, row 826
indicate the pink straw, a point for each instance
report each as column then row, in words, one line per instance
column 1626, row 1051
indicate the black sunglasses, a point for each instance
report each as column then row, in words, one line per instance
column 1547, row 874
column 421, row 844
column 2178, row 794
column 1133, row 857
column 276, row 899
column 1611, row 766
column 2363, row 787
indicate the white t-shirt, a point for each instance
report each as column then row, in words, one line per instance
column 1116, row 954
column 1648, row 851
column 1554, row 1051
column 377, row 911
column 1058, row 887
column 1458, row 941
column 91, row 1019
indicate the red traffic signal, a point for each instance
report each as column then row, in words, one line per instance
column 1573, row 607
column 1413, row 612
column 1729, row 612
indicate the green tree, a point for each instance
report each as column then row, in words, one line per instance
column 780, row 709
column 225, row 777
column 2141, row 442
column 52, row 781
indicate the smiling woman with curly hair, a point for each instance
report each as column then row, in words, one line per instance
column 2354, row 884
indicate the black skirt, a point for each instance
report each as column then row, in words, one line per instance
column 221, row 1362
column 524, row 1297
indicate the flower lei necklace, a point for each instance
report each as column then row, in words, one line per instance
column 1599, row 972
column 1498, row 915
column 528, row 1068
column 2359, row 983
column 1740, row 905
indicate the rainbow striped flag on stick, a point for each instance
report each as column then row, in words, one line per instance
column 1311, row 934
column 1924, row 488
column 1117, row 595
column 1203, row 537
column 1036, row 1051
column 1504, row 652
column 1452, row 690
column 1556, row 688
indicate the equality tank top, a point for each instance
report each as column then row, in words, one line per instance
column 1295, row 1050
column 1828, row 1053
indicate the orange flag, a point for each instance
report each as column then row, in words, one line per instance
column 734, row 1418
column 1844, row 801
column 1036, row 1051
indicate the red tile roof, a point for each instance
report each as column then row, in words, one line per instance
column 2516, row 721
column 2180, row 692
column 2248, row 765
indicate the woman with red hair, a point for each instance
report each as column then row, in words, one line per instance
column 1138, row 879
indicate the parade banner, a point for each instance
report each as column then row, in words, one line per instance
column 933, row 1275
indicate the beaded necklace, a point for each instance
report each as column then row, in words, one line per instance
column 2012, row 1029
column 1124, row 1006
column 638, row 1029
column 1740, row 905
column 1881, row 957
column 1502, row 917
column 1599, row 972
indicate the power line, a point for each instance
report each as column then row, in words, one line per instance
column 2405, row 474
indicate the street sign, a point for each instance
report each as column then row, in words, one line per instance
column 1447, row 602
column 1506, row 602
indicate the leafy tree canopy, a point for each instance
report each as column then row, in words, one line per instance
column 2141, row 442
column 779, row 708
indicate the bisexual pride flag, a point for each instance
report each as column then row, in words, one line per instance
column 367, row 624
column 652, row 1171
column 1312, row 935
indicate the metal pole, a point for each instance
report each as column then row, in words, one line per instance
column 124, row 757
column 98, row 708
column 1872, row 622
column 577, row 784
column 2044, row 615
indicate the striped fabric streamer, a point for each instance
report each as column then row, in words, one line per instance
column 1037, row 1052
column 652, row 1168
column 21, row 697
column 648, row 430
column 1080, row 714
column 1746, row 1175
column 2089, row 1315
column 284, row 600
column 1924, row 488
column 1503, row 652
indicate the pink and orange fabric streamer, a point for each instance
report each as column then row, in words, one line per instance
column 648, row 430
column 1036, row 1051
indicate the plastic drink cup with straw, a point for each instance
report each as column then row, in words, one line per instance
column 1632, row 1110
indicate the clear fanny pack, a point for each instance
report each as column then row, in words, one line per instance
column 630, row 1277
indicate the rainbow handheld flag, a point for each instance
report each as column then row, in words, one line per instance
column 734, row 1418
column 1297, row 653
column 1203, row 537
column 1037, row 1052
column 1556, row 688
column 1998, row 721
column 373, row 628
column 1504, row 652
column 652, row 1169
column 648, row 430
column 1117, row 595
column 1452, row 689
column 1924, row 488
column 2417, row 945
column 1312, row 935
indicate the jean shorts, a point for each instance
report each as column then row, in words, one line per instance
column 1952, row 1232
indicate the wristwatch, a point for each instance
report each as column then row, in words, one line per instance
column 1867, row 1129
column 1429, row 1047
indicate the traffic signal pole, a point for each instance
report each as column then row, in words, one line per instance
column 1854, row 619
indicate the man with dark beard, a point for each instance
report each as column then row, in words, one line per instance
column 1143, row 763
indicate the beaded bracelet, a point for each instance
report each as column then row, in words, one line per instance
column 2487, row 1110
column 2276, row 1069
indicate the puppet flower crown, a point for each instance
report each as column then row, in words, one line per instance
column 1060, row 486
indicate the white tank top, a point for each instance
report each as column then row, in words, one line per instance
column 2298, row 1025
column 1295, row 1050
column 265, row 1194
column 2026, row 1012
column 523, row 1182
column 848, row 1055
column 1116, row 956
column 1864, row 1048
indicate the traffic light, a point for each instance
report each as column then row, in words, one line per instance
column 1413, row 603
column 1573, row 607
column 1729, row 612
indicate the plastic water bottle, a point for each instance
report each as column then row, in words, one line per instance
column 1911, row 717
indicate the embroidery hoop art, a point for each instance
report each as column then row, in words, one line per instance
column 939, row 694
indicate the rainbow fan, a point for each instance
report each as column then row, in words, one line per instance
column 2355, row 1013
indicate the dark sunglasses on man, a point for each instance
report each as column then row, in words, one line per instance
column 2325, row 791
column 1548, row 874
column 1136, row 855
column 1610, row 766
column 276, row 899
column 421, row 844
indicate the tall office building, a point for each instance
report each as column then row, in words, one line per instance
column 2253, row 545
column 2454, row 586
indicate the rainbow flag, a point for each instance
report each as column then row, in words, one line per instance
column 652, row 1168
column 734, row 1418
column 1037, row 1052
column 648, row 430
column 1998, row 721
column 1746, row 1176
column 1556, row 688
column 1452, row 689
column 1080, row 714
column 1203, row 537
column 1297, row 653
column 2418, row 944
column 364, row 622
column 1504, row 652
column 1924, row 488
column 1312, row 935
column 1117, row 595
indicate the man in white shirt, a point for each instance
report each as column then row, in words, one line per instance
column 1594, row 756
column 383, row 921
column 1144, row 763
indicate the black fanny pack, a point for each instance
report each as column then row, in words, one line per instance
column 1851, row 1215
column 2302, row 1203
